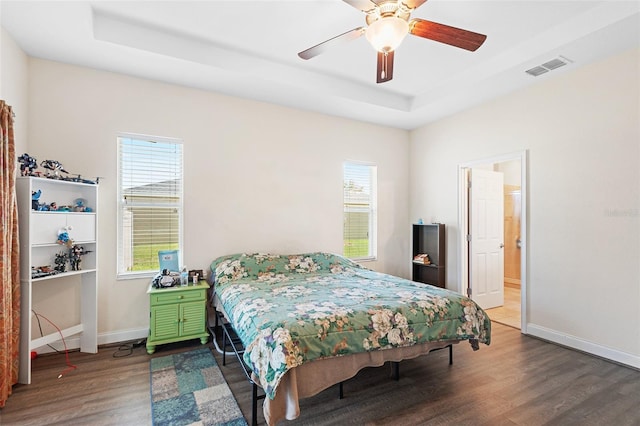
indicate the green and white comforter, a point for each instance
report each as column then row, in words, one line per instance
column 292, row 309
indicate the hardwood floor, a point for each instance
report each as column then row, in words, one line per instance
column 517, row 380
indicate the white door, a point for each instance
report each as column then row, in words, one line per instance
column 486, row 228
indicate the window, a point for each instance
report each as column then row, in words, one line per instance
column 149, row 202
column 360, row 211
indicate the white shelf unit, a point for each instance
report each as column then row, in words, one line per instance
column 38, row 247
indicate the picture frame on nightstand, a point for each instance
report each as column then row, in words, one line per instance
column 195, row 272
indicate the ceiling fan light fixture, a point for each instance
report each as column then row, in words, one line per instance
column 387, row 33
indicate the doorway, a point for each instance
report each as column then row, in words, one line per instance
column 509, row 313
column 514, row 169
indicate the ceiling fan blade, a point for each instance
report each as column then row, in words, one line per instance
column 385, row 67
column 363, row 5
column 413, row 4
column 326, row 45
column 445, row 34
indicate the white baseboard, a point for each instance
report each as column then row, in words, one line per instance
column 123, row 336
column 103, row 339
column 583, row 345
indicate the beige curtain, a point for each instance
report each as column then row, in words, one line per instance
column 9, row 258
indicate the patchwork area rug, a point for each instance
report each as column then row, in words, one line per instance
column 188, row 388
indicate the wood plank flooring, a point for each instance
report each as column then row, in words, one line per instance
column 517, row 380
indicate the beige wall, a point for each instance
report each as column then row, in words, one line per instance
column 14, row 86
column 258, row 177
column 582, row 132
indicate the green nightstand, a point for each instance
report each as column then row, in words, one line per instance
column 177, row 313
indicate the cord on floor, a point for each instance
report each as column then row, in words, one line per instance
column 127, row 348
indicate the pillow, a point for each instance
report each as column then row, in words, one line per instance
column 257, row 266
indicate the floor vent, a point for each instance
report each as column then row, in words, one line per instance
column 551, row 65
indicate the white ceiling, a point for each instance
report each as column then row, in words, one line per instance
column 249, row 49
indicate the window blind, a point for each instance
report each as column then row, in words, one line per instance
column 150, row 195
column 360, row 212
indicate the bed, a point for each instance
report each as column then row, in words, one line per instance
column 309, row 321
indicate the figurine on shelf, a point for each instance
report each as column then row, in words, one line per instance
column 61, row 262
column 55, row 166
column 79, row 178
column 36, row 204
column 36, row 272
column 75, row 256
column 80, row 207
column 63, row 236
column 42, row 271
column 27, row 165
column 35, row 197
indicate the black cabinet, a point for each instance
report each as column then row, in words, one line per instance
column 430, row 240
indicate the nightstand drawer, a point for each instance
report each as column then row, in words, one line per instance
column 178, row 297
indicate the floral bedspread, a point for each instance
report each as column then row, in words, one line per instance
column 292, row 309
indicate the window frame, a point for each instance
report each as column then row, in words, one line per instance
column 121, row 273
column 372, row 209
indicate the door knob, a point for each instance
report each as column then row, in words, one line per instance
column 501, row 245
column 519, row 243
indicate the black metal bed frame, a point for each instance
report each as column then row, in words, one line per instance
column 230, row 338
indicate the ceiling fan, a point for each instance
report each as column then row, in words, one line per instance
column 387, row 25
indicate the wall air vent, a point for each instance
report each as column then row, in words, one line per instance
column 551, row 65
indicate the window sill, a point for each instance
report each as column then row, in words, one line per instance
column 365, row 259
column 135, row 275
